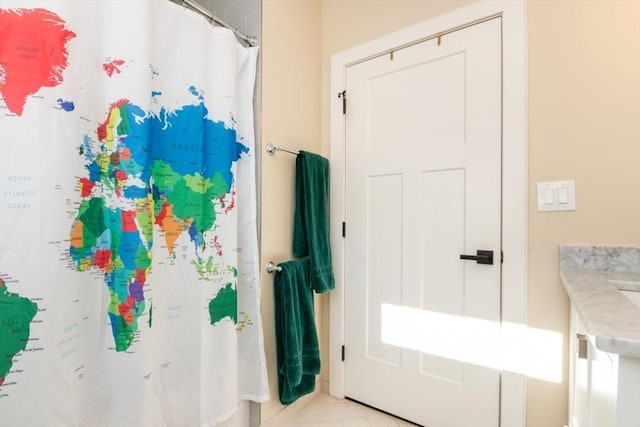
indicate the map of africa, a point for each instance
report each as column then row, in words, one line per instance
column 128, row 252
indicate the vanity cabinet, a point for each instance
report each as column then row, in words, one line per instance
column 604, row 387
column 603, row 285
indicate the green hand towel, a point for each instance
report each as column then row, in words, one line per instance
column 311, row 218
column 298, row 353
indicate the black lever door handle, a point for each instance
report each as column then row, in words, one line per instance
column 481, row 257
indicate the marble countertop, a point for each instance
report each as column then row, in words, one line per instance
column 608, row 316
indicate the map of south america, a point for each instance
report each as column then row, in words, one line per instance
column 16, row 314
column 168, row 170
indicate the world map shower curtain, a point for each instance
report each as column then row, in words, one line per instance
column 128, row 250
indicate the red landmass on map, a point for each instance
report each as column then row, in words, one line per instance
column 33, row 53
column 110, row 67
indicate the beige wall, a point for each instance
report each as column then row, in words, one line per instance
column 584, row 124
column 291, row 118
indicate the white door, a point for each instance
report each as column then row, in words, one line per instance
column 423, row 186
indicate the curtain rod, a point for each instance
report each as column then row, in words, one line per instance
column 250, row 40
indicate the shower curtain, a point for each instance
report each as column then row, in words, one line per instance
column 128, row 252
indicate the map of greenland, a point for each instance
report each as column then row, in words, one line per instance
column 30, row 38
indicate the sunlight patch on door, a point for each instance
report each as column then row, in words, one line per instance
column 511, row 347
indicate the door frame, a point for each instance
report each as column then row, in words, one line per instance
column 514, row 173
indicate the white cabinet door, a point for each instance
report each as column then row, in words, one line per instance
column 628, row 387
column 604, row 388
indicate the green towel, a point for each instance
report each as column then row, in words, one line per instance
column 298, row 353
column 311, row 218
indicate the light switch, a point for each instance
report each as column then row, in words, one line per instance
column 563, row 195
column 548, row 196
column 557, row 196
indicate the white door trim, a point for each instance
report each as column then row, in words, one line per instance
column 514, row 201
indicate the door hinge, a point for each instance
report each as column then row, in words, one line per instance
column 344, row 229
column 343, row 95
column 501, row 257
column 343, row 353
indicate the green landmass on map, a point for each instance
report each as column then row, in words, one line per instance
column 224, row 305
column 16, row 314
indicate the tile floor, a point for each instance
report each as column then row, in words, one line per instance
column 326, row 411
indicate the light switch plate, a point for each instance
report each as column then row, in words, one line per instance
column 564, row 196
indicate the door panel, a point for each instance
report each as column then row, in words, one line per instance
column 423, row 185
column 442, row 234
column 384, row 193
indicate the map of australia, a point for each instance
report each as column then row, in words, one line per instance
column 168, row 170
